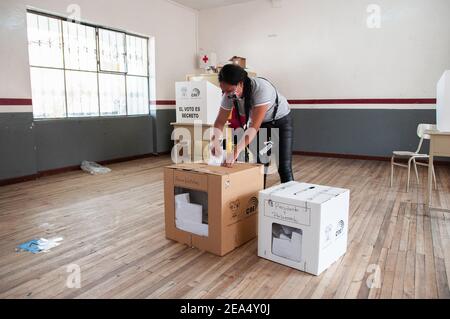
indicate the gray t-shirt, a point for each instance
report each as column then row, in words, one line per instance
column 263, row 92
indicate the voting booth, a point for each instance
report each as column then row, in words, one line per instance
column 197, row 101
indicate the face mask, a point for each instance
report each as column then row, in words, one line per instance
column 233, row 96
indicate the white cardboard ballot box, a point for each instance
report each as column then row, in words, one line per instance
column 443, row 103
column 303, row 226
column 197, row 101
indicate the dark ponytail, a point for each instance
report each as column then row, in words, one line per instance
column 234, row 74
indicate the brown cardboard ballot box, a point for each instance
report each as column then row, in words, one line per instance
column 212, row 208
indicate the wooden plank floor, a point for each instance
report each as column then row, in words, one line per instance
column 113, row 229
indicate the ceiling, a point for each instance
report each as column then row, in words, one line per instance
column 207, row 4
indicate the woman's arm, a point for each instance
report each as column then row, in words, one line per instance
column 219, row 124
column 258, row 114
column 222, row 118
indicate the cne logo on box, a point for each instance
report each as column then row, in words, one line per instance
column 195, row 92
column 340, row 228
column 252, row 206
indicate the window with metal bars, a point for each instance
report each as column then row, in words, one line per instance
column 83, row 70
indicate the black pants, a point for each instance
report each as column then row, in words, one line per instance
column 284, row 147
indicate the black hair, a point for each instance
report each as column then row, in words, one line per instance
column 234, row 74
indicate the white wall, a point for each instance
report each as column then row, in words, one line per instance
column 174, row 28
column 323, row 48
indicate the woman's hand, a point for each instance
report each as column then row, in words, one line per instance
column 231, row 159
